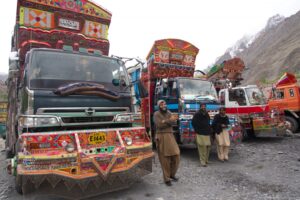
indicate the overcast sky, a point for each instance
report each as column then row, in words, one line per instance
column 211, row 25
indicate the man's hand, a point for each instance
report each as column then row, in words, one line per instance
column 174, row 117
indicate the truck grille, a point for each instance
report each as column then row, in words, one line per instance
column 82, row 109
column 87, row 119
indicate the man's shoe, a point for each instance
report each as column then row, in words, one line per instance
column 168, row 183
column 174, row 178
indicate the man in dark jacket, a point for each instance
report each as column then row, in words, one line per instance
column 201, row 124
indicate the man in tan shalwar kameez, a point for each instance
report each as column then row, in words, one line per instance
column 167, row 147
column 220, row 125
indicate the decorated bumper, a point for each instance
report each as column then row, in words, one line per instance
column 107, row 159
column 269, row 126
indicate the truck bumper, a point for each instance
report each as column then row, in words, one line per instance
column 81, row 186
column 99, row 161
column 271, row 132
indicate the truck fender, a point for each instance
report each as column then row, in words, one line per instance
column 287, row 112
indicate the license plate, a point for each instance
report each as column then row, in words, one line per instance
column 97, row 138
column 66, row 23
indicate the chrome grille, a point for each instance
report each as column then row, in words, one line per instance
column 68, row 120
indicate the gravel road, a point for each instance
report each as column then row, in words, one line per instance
column 264, row 168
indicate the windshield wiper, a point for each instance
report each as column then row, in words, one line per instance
column 86, row 88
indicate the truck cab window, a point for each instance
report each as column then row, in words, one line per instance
column 238, row 95
column 222, row 98
column 279, row 94
column 291, row 91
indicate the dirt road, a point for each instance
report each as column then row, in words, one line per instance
column 264, row 168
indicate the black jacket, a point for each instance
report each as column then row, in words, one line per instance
column 218, row 121
column 201, row 123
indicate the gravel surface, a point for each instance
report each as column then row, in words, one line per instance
column 264, row 168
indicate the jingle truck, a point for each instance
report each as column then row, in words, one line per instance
column 3, row 115
column 285, row 96
column 70, row 123
column 245, row 103
column 169, row 76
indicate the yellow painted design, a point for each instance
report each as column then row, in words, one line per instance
column 84, row 8
column 21, row 16
column 139, row 146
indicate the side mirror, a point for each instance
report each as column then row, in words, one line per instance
column 13, row 61
column 116, row 82
column 142, row 91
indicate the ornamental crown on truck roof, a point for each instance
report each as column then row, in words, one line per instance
column 86, row 7
column 286, row 79
column 169, row 58
column 44, row 23
column 173, row 51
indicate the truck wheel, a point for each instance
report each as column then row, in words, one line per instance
column 18, row 184
column 251, row 134
column 244, row 135
column 293, row 123
column 9, row 154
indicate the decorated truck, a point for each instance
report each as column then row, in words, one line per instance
column 285, row 96
column 3, row 115
column 246, row 103
column 70, row 127
column 169, row 76
column 229, row 72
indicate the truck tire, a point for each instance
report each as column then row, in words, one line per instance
column 293, row 123
column 248, row 134
column 9, row 154
column 18, row 184
column 244, row 135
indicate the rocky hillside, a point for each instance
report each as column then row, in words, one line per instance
column 274, row 50
column 3, row 90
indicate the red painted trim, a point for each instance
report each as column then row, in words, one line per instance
column 247, row 109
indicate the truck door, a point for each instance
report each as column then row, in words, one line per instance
column 292, row 98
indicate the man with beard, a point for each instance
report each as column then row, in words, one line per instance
column 220, row 125
column 201, row 124
column 167, row 147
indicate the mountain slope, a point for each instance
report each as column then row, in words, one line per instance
column 271, row 52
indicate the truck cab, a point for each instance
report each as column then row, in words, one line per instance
column 183, row 96
column 250, row 106
column 285, row 96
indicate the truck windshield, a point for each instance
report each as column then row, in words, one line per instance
column 196, row 87
column 49, row 70
column 255, row 96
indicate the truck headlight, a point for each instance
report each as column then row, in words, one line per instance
column 128, row 141
column 70, row 147
column 185, row 117
column 124, row 118
column 38, row 121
